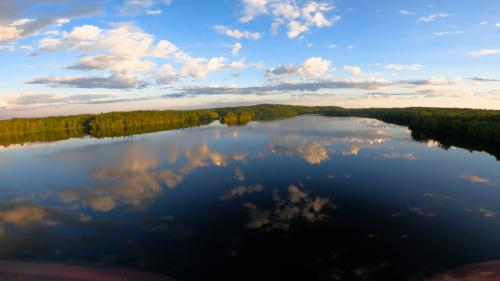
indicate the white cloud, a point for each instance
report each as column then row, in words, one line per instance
column 167, row 75
column 295, row 28
column 84, row 33
column 236, row 49
column 354, row 70
column 312, row 68
column 116, row 63
column 21, row 22
column 126, row 52
column 443, row 33
column 200, row 67
column 50, row 44
column 484, row 52
column 432, row 17
column 237, row 34
column 332, row 46
column 402, row 67
column 137, row 7
column 253, row 8
column 61, row 21
column 154, row 12
column 125, row 45
column 483, row 23
column 297, row 17
column 10, row 33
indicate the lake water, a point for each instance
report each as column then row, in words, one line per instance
column 306, row 198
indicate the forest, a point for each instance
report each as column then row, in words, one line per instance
column 472, row 124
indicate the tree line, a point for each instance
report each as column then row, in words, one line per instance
column 480, row 125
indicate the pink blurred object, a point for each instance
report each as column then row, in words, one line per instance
column 17, row 271
column 487, row 271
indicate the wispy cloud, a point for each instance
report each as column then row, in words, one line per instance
column 484, row 52
column 406, row 12
column 432, row 17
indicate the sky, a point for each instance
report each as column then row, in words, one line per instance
column 71, row 56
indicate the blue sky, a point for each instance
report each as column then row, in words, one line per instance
column 66, row 57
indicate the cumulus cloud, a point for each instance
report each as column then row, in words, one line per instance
column 167, row 75
column 298, row 18
column 312, row 68
column 125, row 39
column 10, row 33
column 200, row 67
column 126, row 54
column 126, row 48
column 237, row 34
column 354, row 70
column 235, row 51
column 254, row 8
column 432, row 17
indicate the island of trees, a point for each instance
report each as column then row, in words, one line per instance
column 467, row 126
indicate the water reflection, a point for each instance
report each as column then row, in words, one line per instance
column 324, row 198
column 295, row 207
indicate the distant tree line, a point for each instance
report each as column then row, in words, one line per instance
column 478, row 125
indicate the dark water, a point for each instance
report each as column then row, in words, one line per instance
column 307, row 198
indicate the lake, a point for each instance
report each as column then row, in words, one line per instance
column 305, row 198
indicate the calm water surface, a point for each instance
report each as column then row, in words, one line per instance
column 306, row 198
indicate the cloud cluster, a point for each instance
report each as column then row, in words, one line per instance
column 125, row 53
column 288, row 87
column 298, row 17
